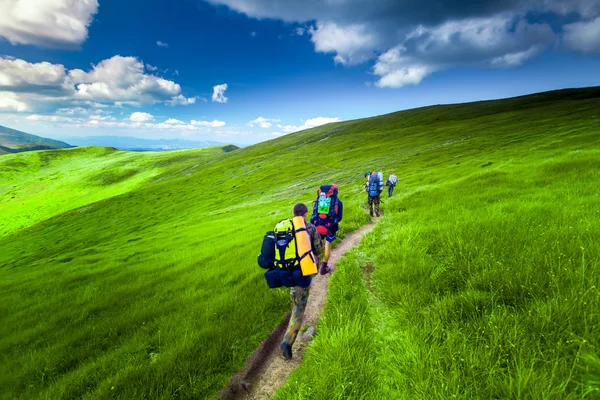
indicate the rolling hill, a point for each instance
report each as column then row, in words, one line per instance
column 480, row 280
column 14, row 141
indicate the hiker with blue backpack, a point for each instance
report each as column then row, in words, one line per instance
column 374, row 187
column 327, row 214
column 290, row 255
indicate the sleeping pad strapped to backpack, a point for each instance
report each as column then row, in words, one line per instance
column 279, row 254
column 327, row 210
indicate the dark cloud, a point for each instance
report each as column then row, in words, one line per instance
column 410, row 39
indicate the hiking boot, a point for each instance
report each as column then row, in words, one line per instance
column 371, row 213
column 286, row 351
column 377, row 213
column 324, row 269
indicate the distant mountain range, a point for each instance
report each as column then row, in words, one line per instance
column 138, row 144
column 14, row 141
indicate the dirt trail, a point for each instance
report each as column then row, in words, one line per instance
column 266, row 370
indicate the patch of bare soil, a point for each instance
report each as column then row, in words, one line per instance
column 266, row 370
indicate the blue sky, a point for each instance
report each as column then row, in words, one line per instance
column 245, row 71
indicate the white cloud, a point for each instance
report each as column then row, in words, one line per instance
column 173, row 121
column 116, row 81
column 161, row 44
column 583, row 36
column 410, row 39
column 309, row 123
column 208, row 124
column 73, row 111
column 262, row 122
column 51, row 118
column 15, row 73
column 10, row 102
column 352, row 44
column 515, row 59
column 496, row 41
column 141, row 117
column 181, row 100
column 151, row 67
column 219, row 93
column 47, row 23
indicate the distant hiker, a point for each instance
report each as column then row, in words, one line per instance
column 374, row 187
column 299, row 294
column 327, row 214
column 391, row 183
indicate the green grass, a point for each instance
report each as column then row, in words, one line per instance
column 486, row 276
column 35, row 186
column 478, row 290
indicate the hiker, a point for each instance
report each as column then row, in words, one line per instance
column 391, row 183
column 327, row 214
column 299, row 294
column 374, row 187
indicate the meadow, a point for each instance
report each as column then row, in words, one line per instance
column 133, row 275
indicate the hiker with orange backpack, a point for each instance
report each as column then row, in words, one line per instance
column 327, row 214
column 290, row 255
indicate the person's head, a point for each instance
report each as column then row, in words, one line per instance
column 300, row 210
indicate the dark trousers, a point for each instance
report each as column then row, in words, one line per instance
column 374, row 200
column 390, row 190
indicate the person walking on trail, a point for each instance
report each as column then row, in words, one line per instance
column 327, row 214
column 374, row 187
column 299, row 295
column 391, row 183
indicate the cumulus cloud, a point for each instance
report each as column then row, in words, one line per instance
column 181, row 100
column 410, row 39
column 219, row 93
column 173, row 121
column 141, row 117
column 208, row 124
column 117, row 81
column 51, row 23
column 262, row 122
column 161, row 44
column 309, row 123
column 583, row 36
column 497, row 41
column 353, row 44
column 10, row 102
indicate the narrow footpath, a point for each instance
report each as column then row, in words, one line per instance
column 266, row 370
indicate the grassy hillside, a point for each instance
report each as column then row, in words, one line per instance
column 18, row 141
column 35, row 186
column 482, row 280
column 155, row 293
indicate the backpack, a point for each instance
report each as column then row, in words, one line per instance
column 374, row 186
column 279, row 254
column 327, row 210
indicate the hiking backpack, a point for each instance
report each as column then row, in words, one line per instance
column 279, row 254
column 327, row 210
column 375, row 185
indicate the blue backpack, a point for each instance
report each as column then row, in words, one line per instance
column 374, row 185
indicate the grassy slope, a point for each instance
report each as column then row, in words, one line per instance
column 15, row 139
column 154, row 292
column 482, row 278
column 35, row 186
